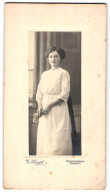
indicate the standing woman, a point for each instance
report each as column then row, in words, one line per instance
column 54, row 128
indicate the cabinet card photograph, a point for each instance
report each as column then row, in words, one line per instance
column 54, row 96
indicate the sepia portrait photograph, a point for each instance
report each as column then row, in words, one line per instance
column 54, row 93
column 54, row 96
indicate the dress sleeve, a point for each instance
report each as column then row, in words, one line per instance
column 65, row 86
column 39, row 94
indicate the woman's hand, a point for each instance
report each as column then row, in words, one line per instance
column 35, row 117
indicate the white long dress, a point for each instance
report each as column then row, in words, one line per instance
column 54, row 129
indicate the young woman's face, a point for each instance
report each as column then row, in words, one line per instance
column 54, row 59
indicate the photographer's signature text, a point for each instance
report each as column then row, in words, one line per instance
column 36, row 162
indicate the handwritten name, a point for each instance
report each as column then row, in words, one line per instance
column 36, row 162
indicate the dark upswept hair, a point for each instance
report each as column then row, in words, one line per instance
column 59, row 50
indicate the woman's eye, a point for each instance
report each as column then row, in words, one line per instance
column 55, row 56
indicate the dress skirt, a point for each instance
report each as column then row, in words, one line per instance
column 54, row 130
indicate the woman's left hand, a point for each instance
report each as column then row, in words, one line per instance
column 47, row 109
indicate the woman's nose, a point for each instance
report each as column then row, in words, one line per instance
column 53, row 58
